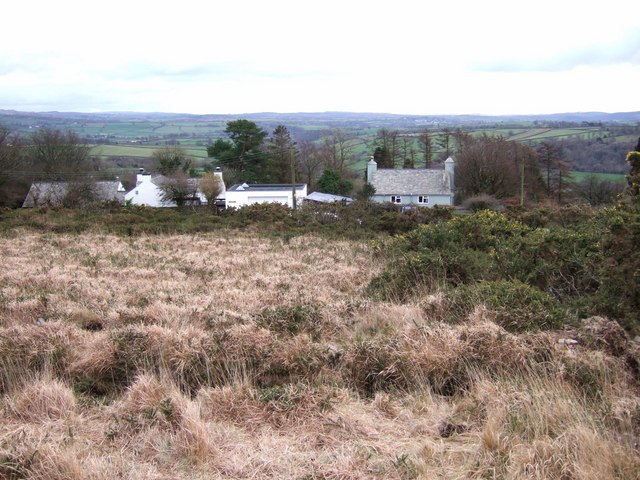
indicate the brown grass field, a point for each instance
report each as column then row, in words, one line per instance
column 230, row 355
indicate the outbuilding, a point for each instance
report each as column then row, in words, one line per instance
column 242, row 194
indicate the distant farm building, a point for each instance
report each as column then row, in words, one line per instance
column 74, row 193
column 419, row 186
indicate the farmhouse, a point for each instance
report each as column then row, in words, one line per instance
column 148, row 191
column 420, row 187
column 242, row 194
column 73, row 193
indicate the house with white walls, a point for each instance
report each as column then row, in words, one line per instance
column 412, row 186
column 242, row 194
column 148, row 191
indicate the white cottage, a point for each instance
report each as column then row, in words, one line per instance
column 148, row 192
column 415, row 186
column 242, row 194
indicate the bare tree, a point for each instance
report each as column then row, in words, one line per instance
column 81, row 193
column 337, row 150
column 461, row 140
column 408, row 152
column 425, row 146
column 444, row 142
column 12, row 172
column 386, row 144
column 211, row 187
column 598, row 192
column 178, row 188
column 491, row 165
column 310, row 162
column 57, row 155
column 555, row 169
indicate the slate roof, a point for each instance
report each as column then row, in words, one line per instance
column 159, row 180
column 327, row 198
column 263, row 187
column 53, row 193
column 389, row 181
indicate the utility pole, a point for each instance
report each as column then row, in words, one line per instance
column 293, row 176
column 522, row 181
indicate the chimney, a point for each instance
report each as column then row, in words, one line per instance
column 142, row 176
column 218, row 173
column 450, row 167
column 372, row 167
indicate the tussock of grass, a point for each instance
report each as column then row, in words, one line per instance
column 43, row 400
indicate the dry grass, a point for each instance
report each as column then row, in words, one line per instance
column 210, row 356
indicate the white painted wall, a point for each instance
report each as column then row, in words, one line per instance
column 240, row 198
column 146, row 193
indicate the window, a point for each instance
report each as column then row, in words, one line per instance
column 423, row 199
column 396, row 199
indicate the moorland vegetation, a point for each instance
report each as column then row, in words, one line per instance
column 325, row 342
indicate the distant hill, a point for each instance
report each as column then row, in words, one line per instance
column 323, row 117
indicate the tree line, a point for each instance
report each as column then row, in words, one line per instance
column 45, row 155
column 485, row 165
column 249, row 154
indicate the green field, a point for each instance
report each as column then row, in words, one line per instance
column 609, row 177
column 140, row 151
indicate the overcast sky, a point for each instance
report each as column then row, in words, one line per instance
column 396, row 56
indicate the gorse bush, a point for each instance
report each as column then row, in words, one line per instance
column 359, row 220
column 518, row 307
column 532, row 272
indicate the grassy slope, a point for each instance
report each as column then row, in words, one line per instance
column 231, row 355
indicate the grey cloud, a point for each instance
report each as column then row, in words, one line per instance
column 625, row 51
column 26, row 63
column 142, row 70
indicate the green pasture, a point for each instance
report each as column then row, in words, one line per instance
column 609, row 177
column 136, row 130
column 140, row 151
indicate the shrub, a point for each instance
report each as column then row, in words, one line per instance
column 481, row 202
column 585, row 262
column 376, row 365
column 518, row 307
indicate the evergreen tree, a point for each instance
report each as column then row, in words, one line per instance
column 242, row 155
column 332, row 182
column 281, row 150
